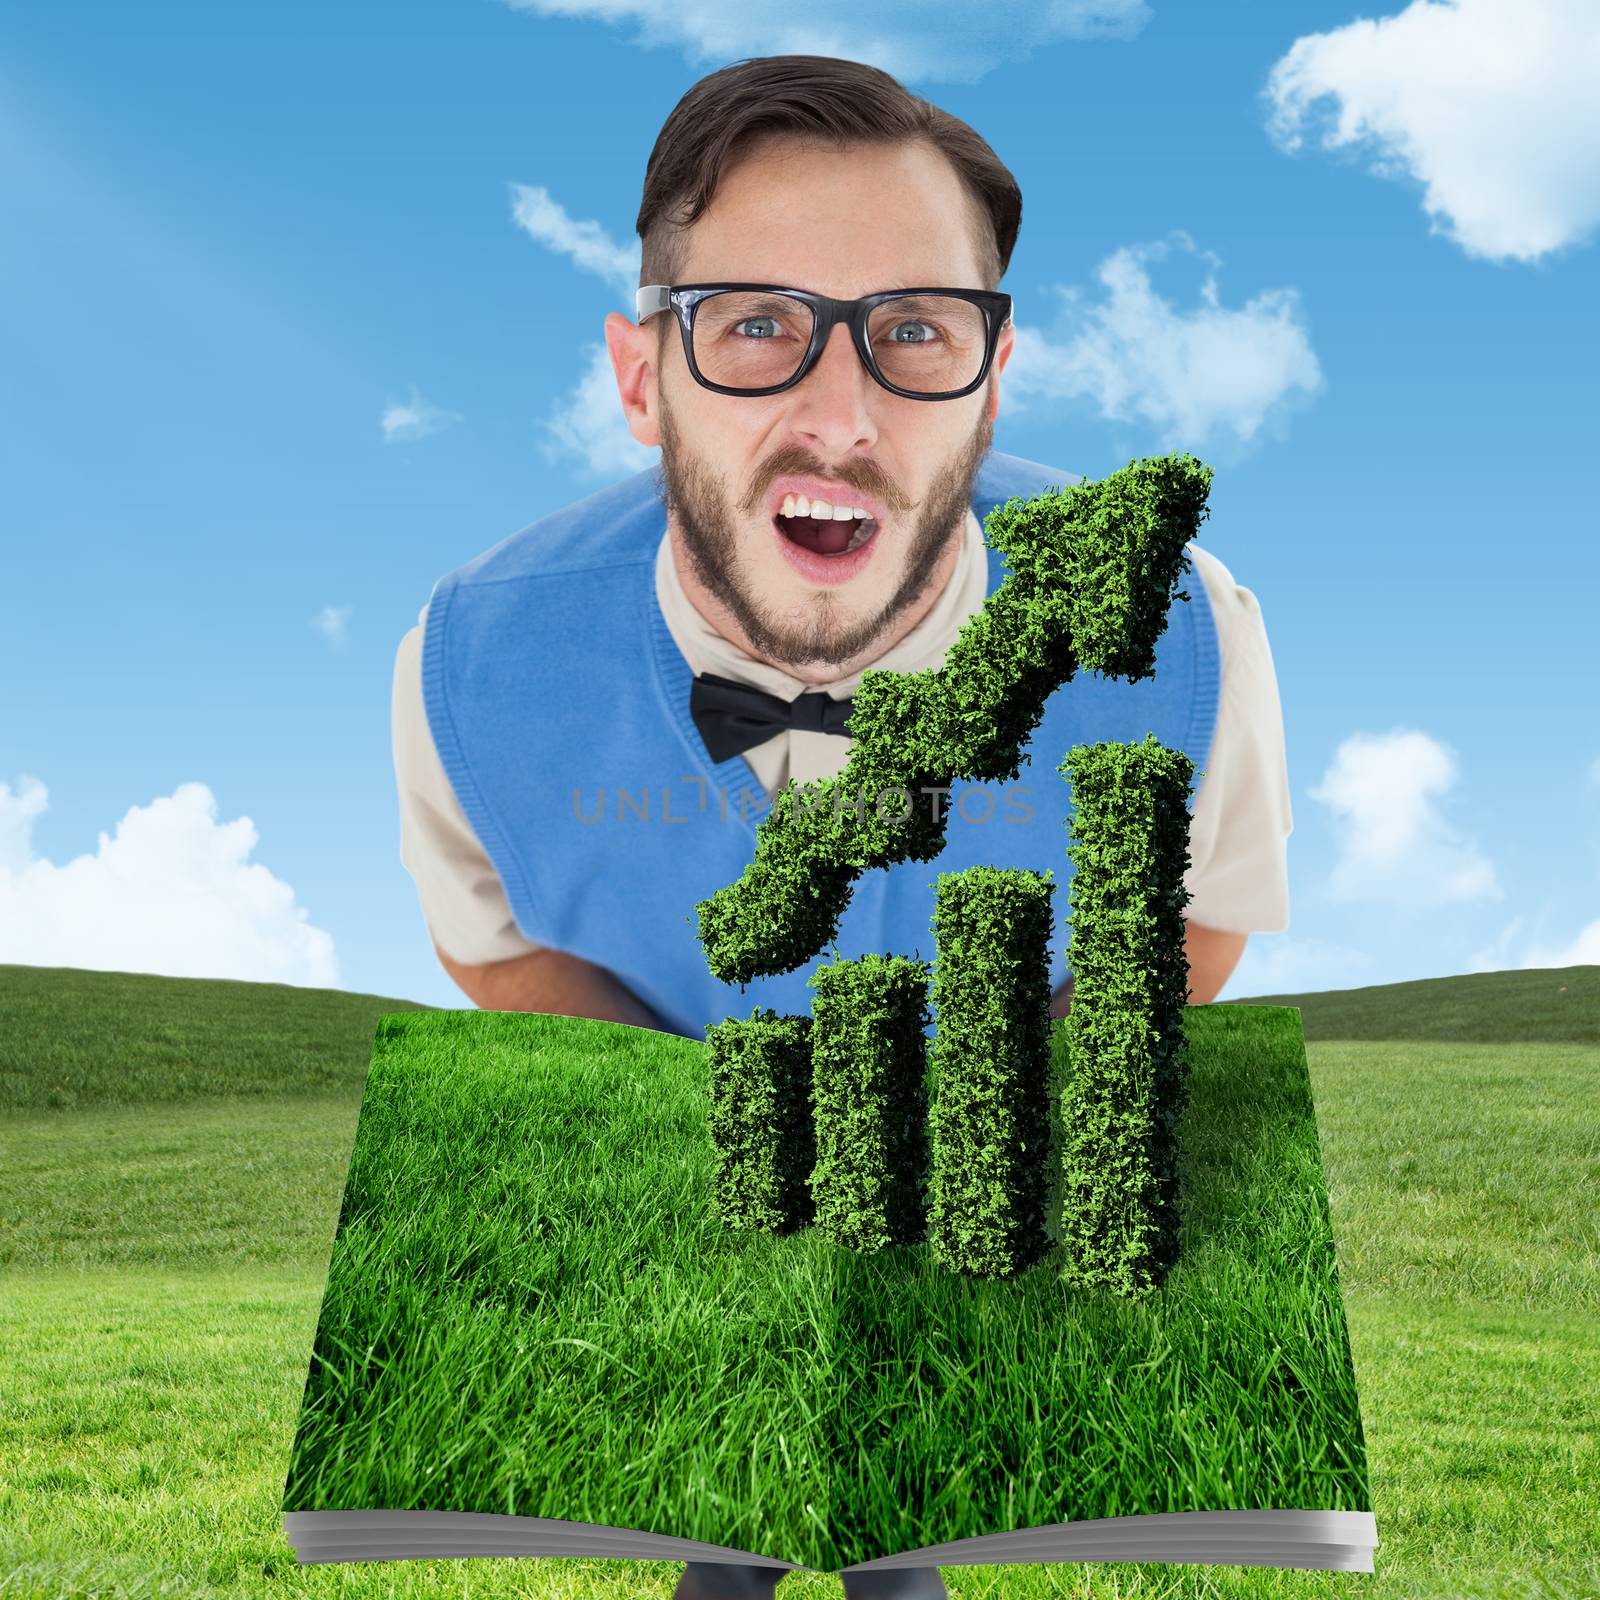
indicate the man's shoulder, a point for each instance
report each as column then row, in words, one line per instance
column 1003, row 477
column 1216, row 577
column 1234, row 607
column 619, row 525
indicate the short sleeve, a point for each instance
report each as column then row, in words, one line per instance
column 1238, row 877
column 463, row 901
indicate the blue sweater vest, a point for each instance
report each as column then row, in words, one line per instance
column 559, row 705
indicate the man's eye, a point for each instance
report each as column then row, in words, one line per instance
column 894, row 333
column 745, row 322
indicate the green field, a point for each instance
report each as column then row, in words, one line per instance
column 174, row 1153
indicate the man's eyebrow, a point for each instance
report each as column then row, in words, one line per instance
column 887, row 288
column 897, row 287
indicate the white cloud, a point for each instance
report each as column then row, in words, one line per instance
column 585, row 243
column 173, row 891
column 1278, row 964
column 1395, row 848
column 1493, row 106
column 1193, row 376
column 590, row 428
column 415, row 418
column 1581, row 951
column 331, row 622
column 943, row 41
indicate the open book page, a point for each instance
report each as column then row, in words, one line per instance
column 537, row 1337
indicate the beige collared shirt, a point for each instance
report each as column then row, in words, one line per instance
column 1238, row 874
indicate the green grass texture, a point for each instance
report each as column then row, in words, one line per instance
column 534, row 1309
column 174, row 1154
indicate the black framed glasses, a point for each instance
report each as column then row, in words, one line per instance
column 759, row 338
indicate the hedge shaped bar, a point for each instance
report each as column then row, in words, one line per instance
column 761, row 1120
column 991, row 1123
column 869, row 1063
column 1125, row 1039
column 1093, row 570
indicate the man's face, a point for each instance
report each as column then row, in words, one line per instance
column 872, row 218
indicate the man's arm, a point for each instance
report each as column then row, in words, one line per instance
column 554, row 982
column 1212, row 954
column 565, row 985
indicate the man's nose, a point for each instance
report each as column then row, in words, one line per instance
column 832, row 400
column 840, row 361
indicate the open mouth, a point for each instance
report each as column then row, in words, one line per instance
column 826, row 536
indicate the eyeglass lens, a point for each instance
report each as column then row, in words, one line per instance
column 927, row 344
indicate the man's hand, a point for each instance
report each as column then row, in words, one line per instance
column 1061, row 1000
column 1211, row 954
column 554, row 982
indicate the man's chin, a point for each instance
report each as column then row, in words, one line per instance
column 832, row 657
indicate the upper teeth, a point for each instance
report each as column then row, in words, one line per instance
column 797, row 505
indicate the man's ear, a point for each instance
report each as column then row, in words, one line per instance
column 633, row 358
column 1002, row 354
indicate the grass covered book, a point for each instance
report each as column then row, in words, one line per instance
column 537, row 1338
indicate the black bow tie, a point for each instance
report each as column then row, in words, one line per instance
column 733, row 717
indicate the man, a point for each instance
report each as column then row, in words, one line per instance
column 568, row 665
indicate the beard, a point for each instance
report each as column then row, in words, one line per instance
column 817, row 633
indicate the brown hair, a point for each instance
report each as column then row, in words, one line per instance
column 815, row 98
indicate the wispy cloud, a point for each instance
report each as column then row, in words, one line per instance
column 1581, row 951
column 1491, row 105
column 584, row 243
column 1284, row 964
column 1395, row 847
column 1196, row 376
column 589, row 428
column 171, row 891
column 1396, row 850
column 331, row 622
column 416, row 418
column 924, row 41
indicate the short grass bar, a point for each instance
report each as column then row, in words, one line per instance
column 761, row 1119
column 869, row 1054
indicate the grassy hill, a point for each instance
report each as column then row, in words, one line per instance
column 71, row 1039
column 1536, row 1005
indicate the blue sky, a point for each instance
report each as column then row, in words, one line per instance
column 301, row 307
